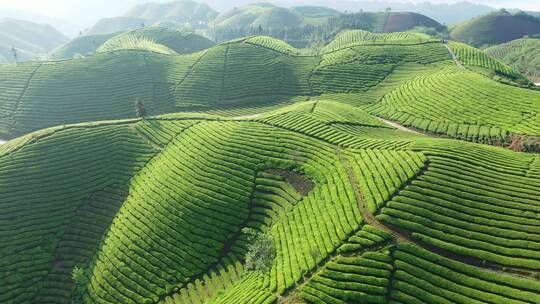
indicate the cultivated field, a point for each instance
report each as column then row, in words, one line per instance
column 261, row 173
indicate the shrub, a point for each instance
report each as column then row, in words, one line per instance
column 261, row 251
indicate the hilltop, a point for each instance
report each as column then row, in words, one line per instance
column 311, row 26
column 115, row 25
column 264, row 15
column 523, row 54
column 178, row 40
column 495, row 28
column 30, row 39
column 81, row 45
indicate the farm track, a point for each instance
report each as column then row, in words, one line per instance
column 398, row 126
column 454, row 57
column 23, row 92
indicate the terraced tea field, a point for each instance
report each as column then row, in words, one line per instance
column 358, row 67
column 264, row 174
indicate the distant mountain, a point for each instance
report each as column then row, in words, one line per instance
column 82, row 45
column 63, row 26
column 29, row 39
column 315, row 11
column 178, row 11
column 497, row 27
column 264, row 15
column 443, row 13
column 310, row 26
column 116, row 24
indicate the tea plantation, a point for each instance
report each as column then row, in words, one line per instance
column 261, row 173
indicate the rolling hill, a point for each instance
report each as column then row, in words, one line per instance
column 308, row 27
column 523, row 54
column 166, row 210
column 178, row 40
column 184, row 11
column 358, row 67
column 495, row 28
column 264, row 15
column 29, row 39
column 254, row 172
column 81, row 45
column 115, row 25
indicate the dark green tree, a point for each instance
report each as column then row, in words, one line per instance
column 139, row 108
column 78, row 277
column 15, row 56
column 261, row 251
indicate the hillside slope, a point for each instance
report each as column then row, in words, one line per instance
column 495, row 28
column 523, row 54
column 305, row 27
column 181, row 42
column 360, row 68
column 82, row 45
column 263, row 15
column 29, row 39
column 166, row 210
column 183, row 11
column 115, row 25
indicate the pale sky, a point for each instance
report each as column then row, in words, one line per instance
column 85, row 12
column 66, row 8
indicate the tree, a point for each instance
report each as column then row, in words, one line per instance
column 139, row 109
column 261, row 251
column 15, row 56
column 388, row 9
column 78, row 277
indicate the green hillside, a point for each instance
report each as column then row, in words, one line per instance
column 308, row 26
column 178, row 11
column 115, row 25
column 29, row 39
column 315, row 11
column 478, row 60
column 395, row 76
column 177, row 40
column 522, row 54
column 180, row 42
column 495, row 28
column 167, row 209
column 82, row 45
column 264, row 15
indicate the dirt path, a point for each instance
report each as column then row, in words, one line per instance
column 368, row 217
column 402, row 235
column 454, row 57
column 247, row 116
column 398, row 126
